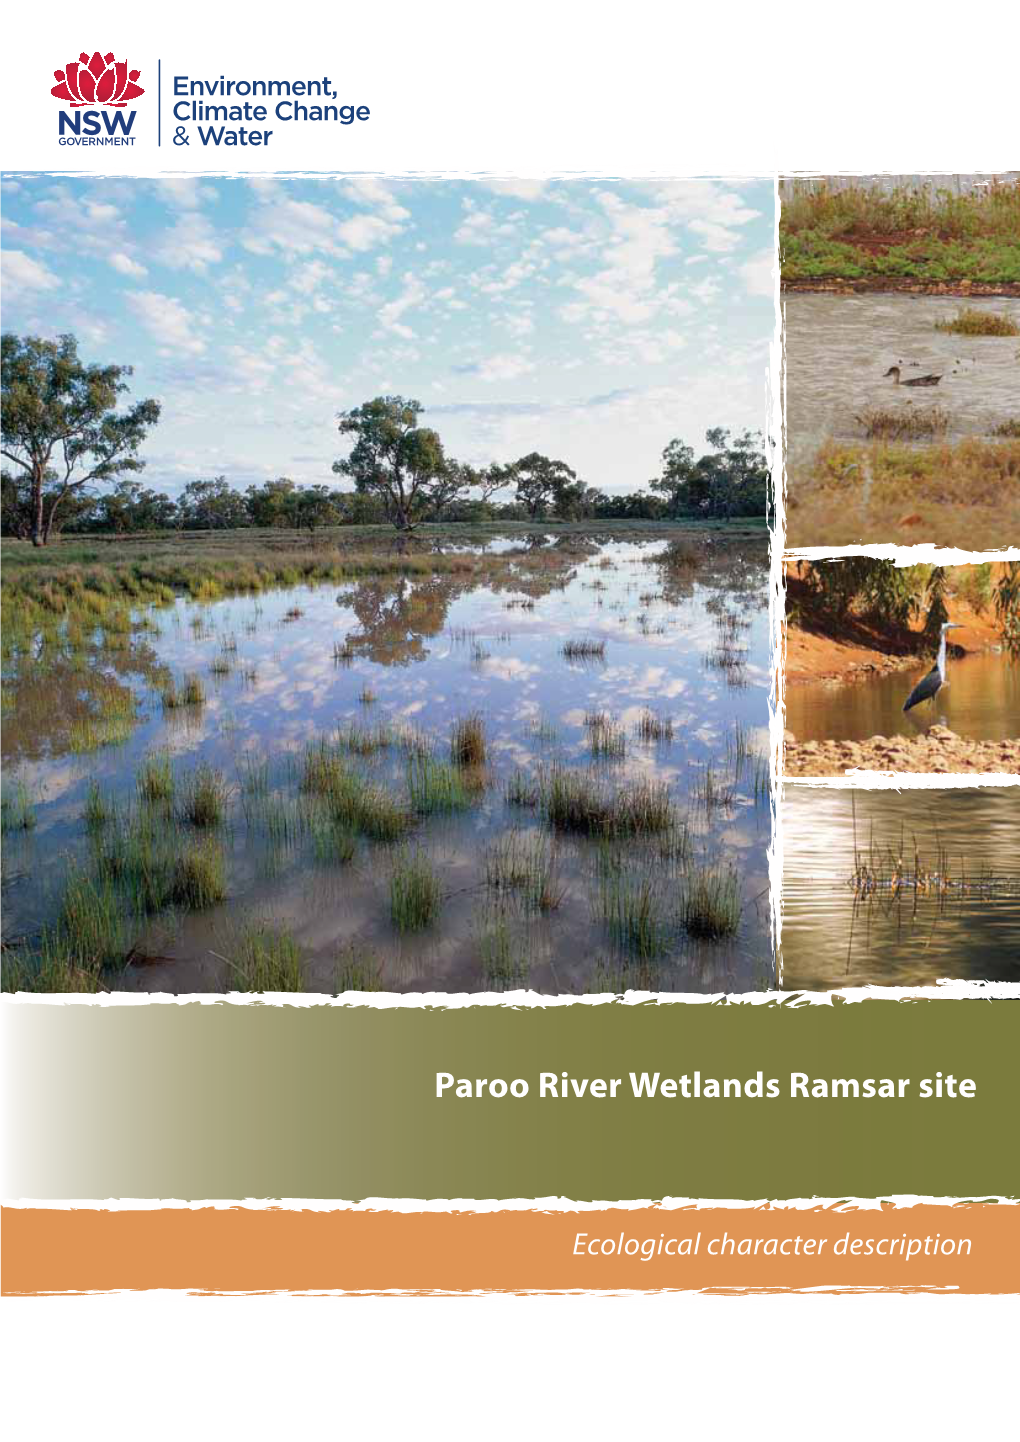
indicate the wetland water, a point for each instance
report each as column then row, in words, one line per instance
column 833, row 937
column 838, row 348
column 684, row 627
column 980, row 703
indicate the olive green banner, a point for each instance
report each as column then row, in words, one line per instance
column 333, row 1102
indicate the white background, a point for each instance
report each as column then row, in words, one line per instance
column 531, row 89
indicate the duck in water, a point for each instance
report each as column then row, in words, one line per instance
column 929, row 380
column 928, row 688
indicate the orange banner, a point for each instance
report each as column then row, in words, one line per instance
column 968, row 1248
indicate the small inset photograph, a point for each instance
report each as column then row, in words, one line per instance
column 901, row 317
column 902, row 668
column 900, row 888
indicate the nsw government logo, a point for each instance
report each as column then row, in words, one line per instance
column 97, row 80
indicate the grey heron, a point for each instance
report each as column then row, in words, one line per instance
column 928, row 688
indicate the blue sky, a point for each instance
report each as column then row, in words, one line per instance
column 590, row 320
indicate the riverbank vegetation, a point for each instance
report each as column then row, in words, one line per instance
column 849, row 493
column 901, row 609
column 870, row 233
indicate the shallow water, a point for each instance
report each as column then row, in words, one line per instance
column 838, row 348
column 431, row 649
column 973, row 932
column 981, row 702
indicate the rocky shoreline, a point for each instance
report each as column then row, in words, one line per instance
column 938, row 752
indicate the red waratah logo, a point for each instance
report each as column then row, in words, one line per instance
column 99, row 81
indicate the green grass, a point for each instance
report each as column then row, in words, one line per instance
column 436, row 786
column 266, row 960
column 155, row 778
column 334, row 841
column 520, row 789
column 203, row 800
column 99, row 809
column 584, row 804
column 524, row 864
column 365, row 740
column 710, row 902
column 190, row 693
column 92, row 733
column 416, row 893
column 906, row 233
column 357, row 969
column 17, row 812
column 971, row 321
column 631, row 906
column 467, row 741
column 199, row 877
column 505, row 963
column 606, row 737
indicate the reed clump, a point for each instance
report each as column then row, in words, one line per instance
column 266, row 960
column 903, row 423
column 524, row 864
column 467, row 740
column 583, row 648
column 416, row 893
column 17, row 811
column 435, row 786
column 652, row 727
column 972, row 321
column 710, row 902
column 204, row 797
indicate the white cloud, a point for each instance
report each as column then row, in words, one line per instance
column 503, row 367
column 168, row 322
column 124, row 265
column 411, row 296
column 364, row 232
column 518, row 189
column 480, row 227
column 191, row 244
column 758, row 274
column 20, row 271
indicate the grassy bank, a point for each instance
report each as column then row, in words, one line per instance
column 870, row 234
column 892, row 492
column 90, row 574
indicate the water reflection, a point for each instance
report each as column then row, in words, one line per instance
column 981, row 703
column 838, row 348
column 899, row 934
column 680, row 628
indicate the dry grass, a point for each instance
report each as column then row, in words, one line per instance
column 890, row 492
column 970, row 321
column 903, row 423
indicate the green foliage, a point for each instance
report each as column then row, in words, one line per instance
column 1007, row 607
column 61, row 427
column 730, row 480
column 401, row 464
column 938, row 614
column 871, row 587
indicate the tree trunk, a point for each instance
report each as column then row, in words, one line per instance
column 39, row 536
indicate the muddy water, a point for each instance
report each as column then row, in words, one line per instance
column 428, row 650
column 980, row 703
column 972, row 932
column 838, row 348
